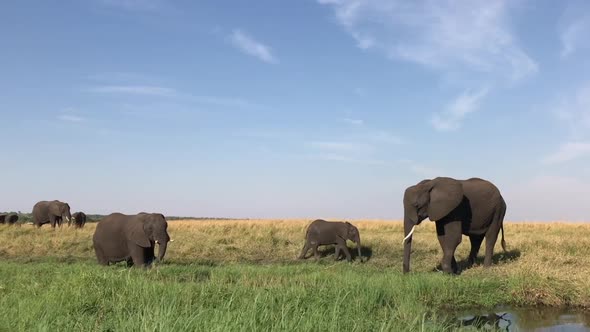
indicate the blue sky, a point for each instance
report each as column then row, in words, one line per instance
column 326, row 108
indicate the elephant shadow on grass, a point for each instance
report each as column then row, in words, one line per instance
column 325, row 251
column 501, row 257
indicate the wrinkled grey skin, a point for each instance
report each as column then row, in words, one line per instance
column 8, row 218
column 52, row 212
column 473, row 207
column 78, row 219
column 131, row 238
column 321, row 232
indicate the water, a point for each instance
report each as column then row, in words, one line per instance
column 528, row 319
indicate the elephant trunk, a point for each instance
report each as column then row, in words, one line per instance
column 409, row 227
column 162, row 250
column 358, row 246
column 67, row 216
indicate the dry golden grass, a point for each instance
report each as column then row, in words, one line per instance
column 550, row 249
column 546, row 263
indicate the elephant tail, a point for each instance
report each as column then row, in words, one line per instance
column 503, row 242
column 502, row 214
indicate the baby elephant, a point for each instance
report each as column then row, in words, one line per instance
column 79, row 219
column 321, row 232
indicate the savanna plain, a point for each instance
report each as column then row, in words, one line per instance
column 243, row 275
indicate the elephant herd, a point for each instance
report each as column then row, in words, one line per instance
column 54, row 212
column 472, row 207
column 49, row 212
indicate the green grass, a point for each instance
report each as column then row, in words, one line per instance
column 242, row 276
column 304, row 297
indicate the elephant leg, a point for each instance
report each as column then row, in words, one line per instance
column 316, row 254
column 336, row 252
column 454, row 265
column 476, row 241
column 449, row 237
column 138, row 256
column 102, row 260
column 491, row 237
column 304, row 251
column 52, row 221
column 149, row 255
column 342, row 245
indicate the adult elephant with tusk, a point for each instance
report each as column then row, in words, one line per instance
column 473, row 207
column 131, row 238
column 79, row 220
column 52, row 212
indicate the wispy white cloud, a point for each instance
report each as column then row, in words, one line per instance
column 575, row 36
column 133, row 5
column 336, row 157
column 225, row 101
column 567, row 152
column 135, row 90
column 360, row 92
column 421, row 169
column 70, row 114
column 166, row 92
column 344, row 151
column 574, row 28
column 451, row 118
column 385, row 137
column 250, row 46
column 340, row 146
column 119, row 77
column 70, row 118
column 574, row 110
column 446, row 34
column 355, row 122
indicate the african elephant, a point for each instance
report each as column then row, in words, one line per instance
column 132, row 238
column 8, row 218
column 321, row 232
column 473, row 207
column 79, row 219
column 52, row 212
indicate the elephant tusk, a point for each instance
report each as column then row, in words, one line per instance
column 157, row 242
column 409, row 235
column 171, row 240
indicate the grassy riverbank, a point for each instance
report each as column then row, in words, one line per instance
column 242, row 275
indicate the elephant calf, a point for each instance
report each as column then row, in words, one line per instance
column 131, row 238
column 8, row 218
column 79, row 219
column 321, row 232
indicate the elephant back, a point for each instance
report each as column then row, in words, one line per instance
column 110, row 226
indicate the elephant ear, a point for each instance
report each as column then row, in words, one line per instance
column 445, row 195
column 137, row 232
column 54, row 208
column 350, row 228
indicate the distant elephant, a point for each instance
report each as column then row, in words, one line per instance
column 52, row 212
column 131, row 238
column 79, row 219
column 473, row 207
column 8, row 218
column 321, row 232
